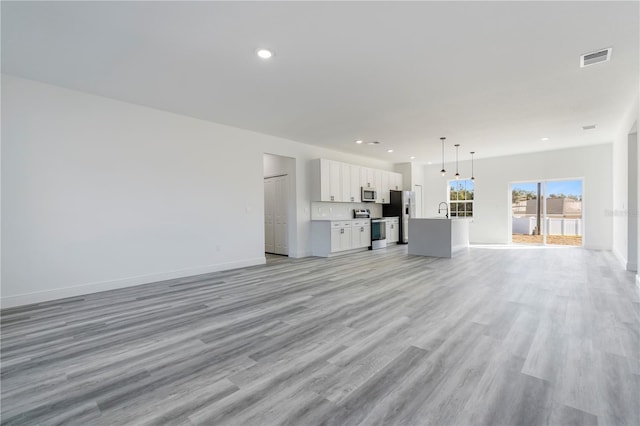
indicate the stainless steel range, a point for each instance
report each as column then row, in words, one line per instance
column 361, row 213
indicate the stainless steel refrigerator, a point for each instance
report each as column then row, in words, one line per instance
column 402, row 205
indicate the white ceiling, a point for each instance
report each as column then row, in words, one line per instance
column 494, row 77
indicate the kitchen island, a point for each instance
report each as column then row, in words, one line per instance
column 437, row 237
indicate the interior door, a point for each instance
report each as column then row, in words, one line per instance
column 269, row 215
column 276, row 221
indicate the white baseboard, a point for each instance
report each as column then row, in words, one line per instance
column 597, row 247
column 89, row 288
column 301, row 254
column 621, row 258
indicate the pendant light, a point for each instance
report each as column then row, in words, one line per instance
column 472, row 178
column 443, row 171
column 457, row 174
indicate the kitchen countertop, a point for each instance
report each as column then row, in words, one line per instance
column 339, row 220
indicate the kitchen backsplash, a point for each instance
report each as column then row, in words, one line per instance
column 326, row 210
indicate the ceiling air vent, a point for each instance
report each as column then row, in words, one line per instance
column 589, row 127
column 603, row 55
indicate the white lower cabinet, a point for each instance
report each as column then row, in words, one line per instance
column 340, row 236
column 360, row 233
column 393, row 230
column 328, row 237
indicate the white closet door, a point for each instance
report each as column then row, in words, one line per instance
column 280, row 209
column 269, row 215
column 276, row 222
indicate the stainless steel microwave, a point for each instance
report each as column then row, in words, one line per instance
column 368, row 194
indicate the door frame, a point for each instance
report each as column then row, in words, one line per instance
column 286, row 212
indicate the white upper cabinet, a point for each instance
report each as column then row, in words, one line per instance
column 395, row 181
column 342, row 182
column 383, row 191
column 335, row 181
column 377, row 184
column 356, row 195
column 327, row 180
column 367, row 177
column 345, row 183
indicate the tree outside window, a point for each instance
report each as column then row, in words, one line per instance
column 461, row 194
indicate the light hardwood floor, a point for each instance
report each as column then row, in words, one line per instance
column 518, row 336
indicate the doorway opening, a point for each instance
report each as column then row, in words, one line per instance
column 279, row 204
column 547, row 212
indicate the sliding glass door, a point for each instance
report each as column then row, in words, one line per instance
column 547, row 212
column 563, row 201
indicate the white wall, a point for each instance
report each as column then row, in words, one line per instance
column 100, row 194
column 493, row 198
column 632, row 202
column 405, row 169
column 621, row 188
column 620, row 198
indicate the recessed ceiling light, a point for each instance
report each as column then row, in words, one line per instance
column 358, row 141
column 412, row 157
column 389, row 150
column 544, row 139
column 429, row 162
column 264, row 53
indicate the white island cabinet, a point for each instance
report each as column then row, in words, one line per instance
column 437, row 237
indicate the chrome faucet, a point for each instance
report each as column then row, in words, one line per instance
column 446, row 209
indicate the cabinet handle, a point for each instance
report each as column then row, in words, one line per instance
column 342, row 231
column 361, row 229
column 332, row 198
column 351, row 198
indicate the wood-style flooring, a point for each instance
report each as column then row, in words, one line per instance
column 494, row 336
